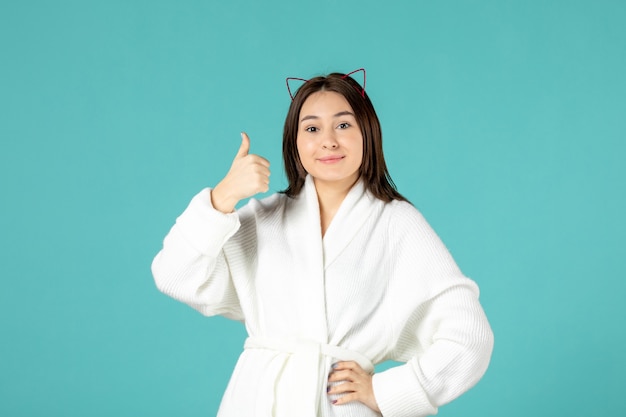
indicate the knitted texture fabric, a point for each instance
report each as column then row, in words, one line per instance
column 379, row 283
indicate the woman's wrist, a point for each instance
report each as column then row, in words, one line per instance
column 221, row 201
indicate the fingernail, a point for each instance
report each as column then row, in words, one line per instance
column 327, row 388
column 335, row 365
column 334, row 401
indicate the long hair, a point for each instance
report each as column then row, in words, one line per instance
column 373, row 171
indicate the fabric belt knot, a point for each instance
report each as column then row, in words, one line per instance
column 306, row 357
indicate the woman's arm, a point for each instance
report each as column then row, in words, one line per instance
column 192, row 267
column 440, row 328
column 457, row 342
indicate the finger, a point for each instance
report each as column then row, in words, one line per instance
column 264, row 171
column 346, row 398
column 244, row 148
column 259, row 160
column 342, row 375
column 343, row 388
column 346, row 365
column 263, row 180
column 258, row 174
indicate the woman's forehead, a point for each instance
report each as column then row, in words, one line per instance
column 325, row 103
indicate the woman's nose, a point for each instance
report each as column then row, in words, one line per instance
column 330, row 142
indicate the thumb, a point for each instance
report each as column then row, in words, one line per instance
column 245, row 146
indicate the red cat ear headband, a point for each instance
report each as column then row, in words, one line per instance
column 360, row 90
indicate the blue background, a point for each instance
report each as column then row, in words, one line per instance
column 504, row 123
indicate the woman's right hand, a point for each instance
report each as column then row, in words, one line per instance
column 249, row 174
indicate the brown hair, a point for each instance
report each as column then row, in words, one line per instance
column 373, row 170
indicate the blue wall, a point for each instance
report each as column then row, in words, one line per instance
column 504, row 123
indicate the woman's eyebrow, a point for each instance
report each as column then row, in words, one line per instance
column 344, row 113
column 341, row 113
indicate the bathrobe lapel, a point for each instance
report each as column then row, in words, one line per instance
column 311, row 256
column 305, row 241
column 309, row 303
column 356, row 208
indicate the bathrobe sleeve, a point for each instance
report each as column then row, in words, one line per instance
column 439, row 328
column 192, row 266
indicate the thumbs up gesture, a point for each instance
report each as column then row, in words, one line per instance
column 249, row 174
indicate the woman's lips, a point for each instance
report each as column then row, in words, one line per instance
column 330, row 159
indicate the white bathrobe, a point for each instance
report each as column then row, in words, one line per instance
column 379, row 285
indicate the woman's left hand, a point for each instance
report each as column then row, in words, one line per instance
column 356, row 386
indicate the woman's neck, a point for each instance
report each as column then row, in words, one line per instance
column 330, row 196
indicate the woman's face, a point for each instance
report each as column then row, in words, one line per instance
column 329, row 140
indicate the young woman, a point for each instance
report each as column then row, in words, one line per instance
column 332, row 276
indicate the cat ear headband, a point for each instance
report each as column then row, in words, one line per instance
column 361, row 90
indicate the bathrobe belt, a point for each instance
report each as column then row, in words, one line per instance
column 306, row 357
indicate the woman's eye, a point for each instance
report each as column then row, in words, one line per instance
column 311, row 129
column 344, row 125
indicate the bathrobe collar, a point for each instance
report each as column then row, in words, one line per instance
column 314, row 254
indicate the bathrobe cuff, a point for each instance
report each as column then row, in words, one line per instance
column 399, row 393
column 204, row 227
